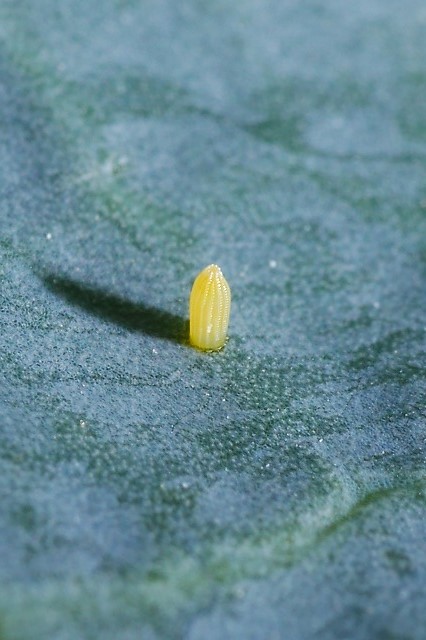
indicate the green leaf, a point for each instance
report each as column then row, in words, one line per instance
column 275, row 489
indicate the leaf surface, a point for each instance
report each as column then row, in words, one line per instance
column 273, row 489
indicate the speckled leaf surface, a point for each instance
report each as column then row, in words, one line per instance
column 275, row 489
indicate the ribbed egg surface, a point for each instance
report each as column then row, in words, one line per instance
column 209, row 308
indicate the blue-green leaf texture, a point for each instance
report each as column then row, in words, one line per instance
column 275, row 489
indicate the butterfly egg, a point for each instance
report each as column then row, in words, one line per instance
column 209, row 307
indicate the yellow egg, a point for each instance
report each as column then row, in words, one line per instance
column 209, row 307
